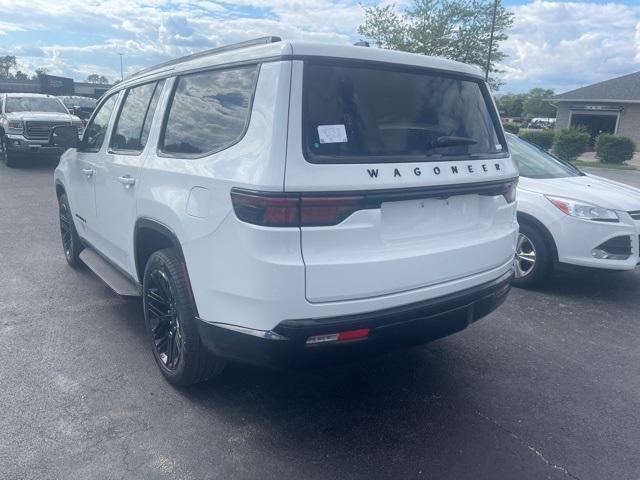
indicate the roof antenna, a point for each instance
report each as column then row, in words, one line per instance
column 362, row 43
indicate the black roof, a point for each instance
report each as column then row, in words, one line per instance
column 626, row 87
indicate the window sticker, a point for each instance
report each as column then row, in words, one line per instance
column 332, row 134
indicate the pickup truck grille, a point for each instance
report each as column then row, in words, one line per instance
column 39, row 130
column 635, row 215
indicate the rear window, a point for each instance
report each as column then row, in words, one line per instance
column 355, row 114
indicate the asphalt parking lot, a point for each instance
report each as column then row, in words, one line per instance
column 546, row 387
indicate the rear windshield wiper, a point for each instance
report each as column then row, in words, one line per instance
column 447, row 141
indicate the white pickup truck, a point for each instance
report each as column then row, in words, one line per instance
column 25, row 122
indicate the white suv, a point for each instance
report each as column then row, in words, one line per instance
column 287, row 203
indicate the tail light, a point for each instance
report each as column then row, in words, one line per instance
column 510, row 191
column 282, row 210
column 275, row 209
column 322, row 211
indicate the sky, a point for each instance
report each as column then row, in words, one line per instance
column 554, row 44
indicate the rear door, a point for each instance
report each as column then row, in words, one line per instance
column 118, row 172
column 413, row 167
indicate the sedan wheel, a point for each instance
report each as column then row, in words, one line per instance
column 525, row 260
column 533, row 261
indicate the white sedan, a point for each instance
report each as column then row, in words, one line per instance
column 568, row 217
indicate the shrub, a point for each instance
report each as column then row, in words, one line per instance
column 542, row 138
column 511, row 127
column 571, row 143
column 614, row 149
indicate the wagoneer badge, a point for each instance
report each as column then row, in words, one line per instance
column 437, row 170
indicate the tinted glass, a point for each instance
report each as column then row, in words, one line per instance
column 362, row 114
column 533, row 162
column 97, row 128
column 209, row 110
column 34, row 104
column 82, row 102
column 150, row 112
column 128, row 129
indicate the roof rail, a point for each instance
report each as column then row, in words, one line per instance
column 211, row 51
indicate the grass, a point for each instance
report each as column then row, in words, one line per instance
column 611, row 166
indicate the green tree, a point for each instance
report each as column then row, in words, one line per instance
column 39, row 71
column 456, row 29
column 7, row 64
column 510, row 104
column 95, row 78
column 20, row 75
column 536, row 104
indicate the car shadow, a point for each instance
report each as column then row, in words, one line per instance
column 31, row 163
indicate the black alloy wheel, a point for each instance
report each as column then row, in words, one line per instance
column 71, row 244
column 164, row 323
column 171, row 320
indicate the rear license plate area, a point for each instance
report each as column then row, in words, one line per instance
column 430, row 217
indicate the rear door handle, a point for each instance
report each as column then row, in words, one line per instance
column 127, row 180
column 88, row 172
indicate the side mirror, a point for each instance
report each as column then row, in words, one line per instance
column 65, row 136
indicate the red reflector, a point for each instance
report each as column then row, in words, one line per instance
column 564, row 206
column 353, row 334
column 338, row 337
column 501, row 291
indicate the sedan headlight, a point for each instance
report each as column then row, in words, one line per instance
column 15, row 126
column 584, row 210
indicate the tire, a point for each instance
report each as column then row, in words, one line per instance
column 71, row 244
column 534, row 259
column 170, row 319
column 8, row 160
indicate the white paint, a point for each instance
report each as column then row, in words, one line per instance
column 255, row 277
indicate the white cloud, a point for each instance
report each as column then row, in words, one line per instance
column 554, row 44
column 568, row 45
column 93, row 33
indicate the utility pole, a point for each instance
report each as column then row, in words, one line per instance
column 121, row 54
column 493, row 26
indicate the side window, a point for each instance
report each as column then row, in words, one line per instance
column 208, row 111
column 146, row 128
column 135, row 117
column 97, row 129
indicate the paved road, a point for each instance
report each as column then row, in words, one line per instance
column 626, row 176
column 546, row 387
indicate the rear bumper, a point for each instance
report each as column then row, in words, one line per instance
column 285, row 346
